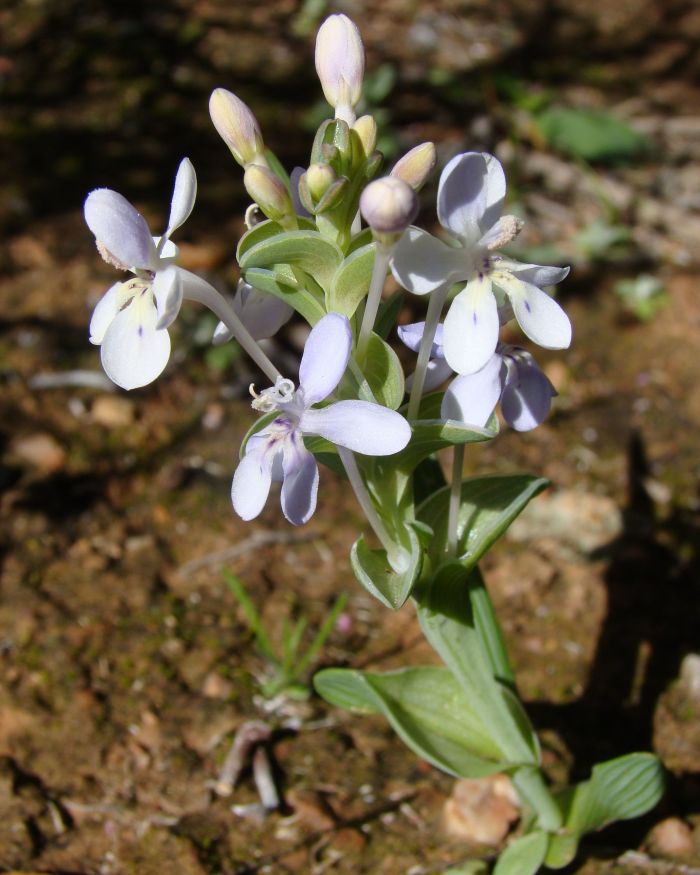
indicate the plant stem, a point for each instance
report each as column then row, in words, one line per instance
column 374, row 296
column 455, row 498
column 396, row 559
column 197, row 289
column 432, row 318
column 532, row 789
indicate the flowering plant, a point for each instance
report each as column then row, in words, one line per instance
column 307, row 250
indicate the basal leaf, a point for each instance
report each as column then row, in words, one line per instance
column 524, row 856
column 351, row 281
column 619, row 789
column 488, row 506
column 428, row 711
column 308, row 250
column 591, row 134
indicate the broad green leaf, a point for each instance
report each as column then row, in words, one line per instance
column 360, row 240
column 619, row 789
column 426, row 708
column 350, row 283
column 489, row 630
column 488, row 506
column 372, row 569
column 264, row 231
column 562, row 850
column 431, row 433
column 591, row 134
column 524, row 856
column 308, row 250
column 383, row 372
column 282, row 283
column 447, row 619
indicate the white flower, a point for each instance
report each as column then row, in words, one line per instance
column 130, row 321
column 470, row 199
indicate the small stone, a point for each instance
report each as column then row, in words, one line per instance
column 481, row 810
column 42, row 451
column 671, row 837
column 690, row 676
column 112, row 412
column 216, row 687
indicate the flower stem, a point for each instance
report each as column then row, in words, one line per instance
column 365, row 502
column 432, row 318
column 197, row 289
column 455, row 498
column 374, row 296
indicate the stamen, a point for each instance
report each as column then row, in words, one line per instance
column 509, row 227
column 273, row 397
column 108, row 257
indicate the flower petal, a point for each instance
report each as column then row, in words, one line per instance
column 526, row 401
column 470, row 332
column 411, row 336
column 436, row 372
column 325, row 357
column 360, row 426
column 261, row 313
column 537, row 274
column 422, row 263
column 120, row 228
column 539, row 315
column 470, row 195
column 167, row 290
column 471, row 398
column 300, row 486
column 251, row 483
column 184, row 194
column 106, row 309
column 133, row 351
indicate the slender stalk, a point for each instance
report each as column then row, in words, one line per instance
column 455, row 498
column 532, row 789
column 432, row 318
column 394, row 555
column 374, row 296
column 197, row 289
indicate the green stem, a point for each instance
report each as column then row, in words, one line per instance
column 531, row 787
column 455, row 498
column 374, row 296
column 432, row 318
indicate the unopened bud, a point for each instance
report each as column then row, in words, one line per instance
column 319, row 178
column 366, row 129
column 388, row 205
column 268, row 192
column 237, row 127
column 340, row 64
column 416, row 165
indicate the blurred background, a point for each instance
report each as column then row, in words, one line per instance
column 126, row 662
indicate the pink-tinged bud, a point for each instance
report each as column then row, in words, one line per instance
column 388, row 205
column 416, row 165
column 268, row 192
column 340, row 64
column 237, row 127
column 366, row 129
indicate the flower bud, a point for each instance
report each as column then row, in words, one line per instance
column 319, row 178
column 340, row 64
column 366, row 129
column 237, row 127
column 416, row 165
column 268, row 192
column 388, row 205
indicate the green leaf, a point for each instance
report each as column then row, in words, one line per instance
column 308, row 250
column 426, row 708
column 591, row 134
column 488, row 506
column 447, row 619
column 562, row 850
column 374, row 572
column 619, row 789
column 325, row 452
column 388, row 314
column 264, row 231
column 283, row 284
column 350, row 283
column 383, row 372
column 524, row 856
column 432, row 433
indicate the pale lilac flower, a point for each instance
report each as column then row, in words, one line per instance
column 261, row 313
column 470, row 199
column 277, row 452
column 511, row 376
column 130, row 321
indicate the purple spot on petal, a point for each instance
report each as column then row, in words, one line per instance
column 140, row 330
column 528, row 307
column 475, row 318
